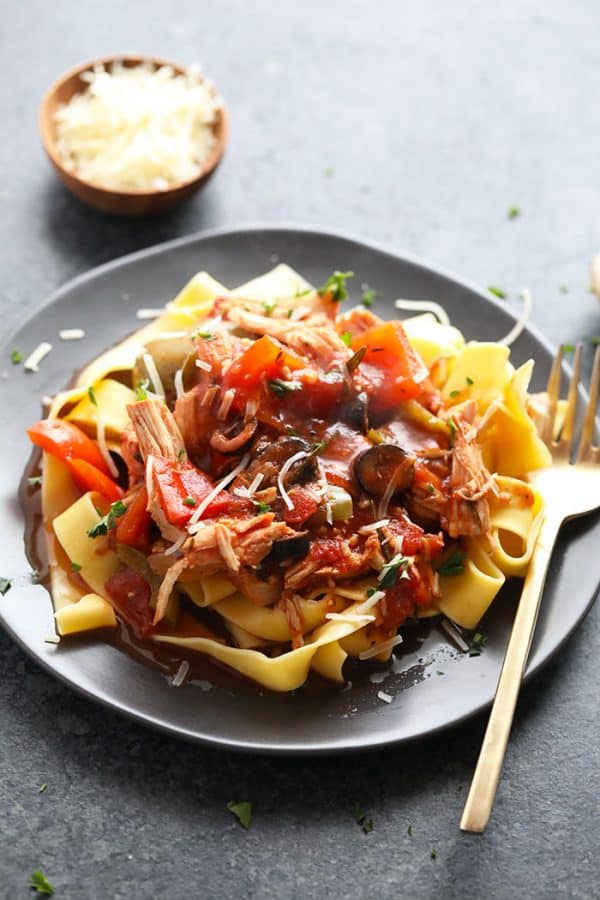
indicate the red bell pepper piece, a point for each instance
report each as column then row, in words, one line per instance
column 181, row 487
column 89, row 478
column 134, row 525
column 264, row 359
column 66, row 441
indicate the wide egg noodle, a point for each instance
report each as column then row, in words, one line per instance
column 96, row 561
column 467, row 596
column 88, row 614
column 480, row 372
column 110, row 400
column 510, row 443
column 208, row 590
column 280, row 673
column 270, row 622
column 431, row 339
column 515, row 524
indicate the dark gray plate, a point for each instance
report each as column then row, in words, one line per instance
column 436, row 687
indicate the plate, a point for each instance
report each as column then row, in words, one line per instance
column 433, row 686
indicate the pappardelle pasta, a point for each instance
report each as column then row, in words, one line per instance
column 262, row 478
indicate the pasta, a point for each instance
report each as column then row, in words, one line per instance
column 260, row 478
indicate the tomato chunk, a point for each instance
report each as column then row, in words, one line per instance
column 389, row 366
column 265, row 358
column 88, row 478
column 305, row 505
column 131, row 595
column 66, row 441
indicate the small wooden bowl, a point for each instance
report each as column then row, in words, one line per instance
column 121, row 203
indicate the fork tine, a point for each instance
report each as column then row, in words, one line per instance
column 584, row 451
column 553, row 391
column 566, row 437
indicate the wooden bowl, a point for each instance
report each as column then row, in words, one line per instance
column 131, row 202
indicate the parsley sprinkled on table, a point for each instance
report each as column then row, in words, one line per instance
column 514, row 211
column 16, row 356
column 478, row 642
column 38, row 882
column 242, row 811
column 5, row 585
column 361, row 818
column 497, row 292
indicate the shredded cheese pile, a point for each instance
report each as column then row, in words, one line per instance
column 138, row 128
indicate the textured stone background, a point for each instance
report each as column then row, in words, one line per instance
column 434, row 117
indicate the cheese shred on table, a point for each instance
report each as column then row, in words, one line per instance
column 139, row 129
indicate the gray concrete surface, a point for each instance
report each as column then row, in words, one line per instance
column 413, row 124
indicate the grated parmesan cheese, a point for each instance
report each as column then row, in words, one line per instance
column 148, row 313
column 139, row 128
column 152, row 371
column 32, row 363
column 71, row 334
column 386, row 698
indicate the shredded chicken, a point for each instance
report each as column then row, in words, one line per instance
column 156, row 430
column 319, row 341
column 468, row 511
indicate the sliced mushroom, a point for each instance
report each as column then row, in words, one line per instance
column 378, row 467
column 230, row 442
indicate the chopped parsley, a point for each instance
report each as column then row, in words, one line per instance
column 595, row 341
column 303, row 292
column 568, row 348
column 514, row 212
column 38, row 882
column 347, row 338
column 75, row 567
column 141, row 389
column 396, row 568
column 16, row 356
column 189, row 501
column 269, row 307
column 5, row 585
column 563, row 288
column 34, row 481
column 290, row 313
column 367, row 298
column 336, row 285
column 206, row 335
column 42, row 788
column 409, row 830
column 242, row 811
column 261, row 506
column 371, row 591
column 434, row 854
column 469, row 381
column 454, row 564
column 497, row 292
column 107, row 522
column 360, row 817
column 180, row 454
column 92, row 395
column 478, row 642
column 281, row 387
column 430, row 487
column 35, row 575
column 454, row 394
column 329, row 172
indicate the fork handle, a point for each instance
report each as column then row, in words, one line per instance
column 483, row 788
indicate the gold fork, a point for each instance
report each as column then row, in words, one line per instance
column 569, row 490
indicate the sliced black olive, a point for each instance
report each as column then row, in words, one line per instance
column 377, row 467
column 268, row 457
column 355, row 412
column 288, row 549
